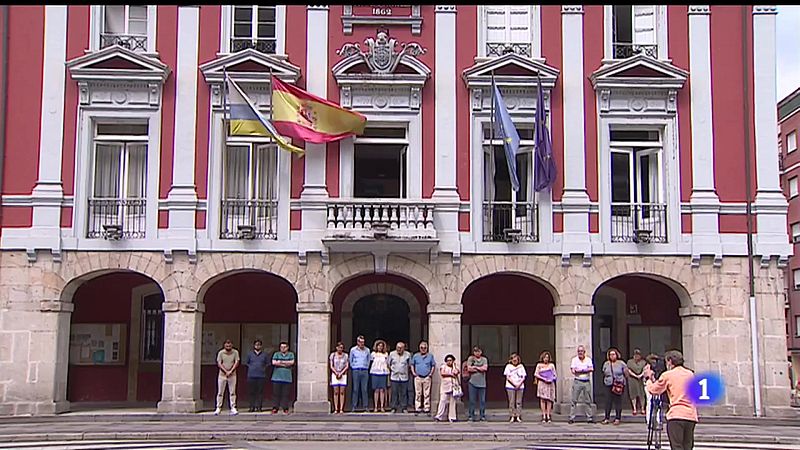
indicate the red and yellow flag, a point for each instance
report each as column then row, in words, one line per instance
column 304, row 116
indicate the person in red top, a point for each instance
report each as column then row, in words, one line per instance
column 682, row 414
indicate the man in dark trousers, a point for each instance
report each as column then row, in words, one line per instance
column 256, row 362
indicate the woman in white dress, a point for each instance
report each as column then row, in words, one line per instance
column 339, row 363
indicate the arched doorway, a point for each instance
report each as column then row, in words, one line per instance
column 633, row 311
column 116, row 341
column 381, row 316
column 244, row 306
column 505, row 313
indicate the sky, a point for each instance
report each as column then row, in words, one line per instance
column 788, row 43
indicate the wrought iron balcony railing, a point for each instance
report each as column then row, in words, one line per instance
column 262, row 45
column 381, row 218
column 132, row 42
column 116, row 219
column 510, row 221
column 502, row 48
column 624, row 50
column 249, row 219
column 640, row 223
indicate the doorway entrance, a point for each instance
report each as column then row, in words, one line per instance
column 381, row 316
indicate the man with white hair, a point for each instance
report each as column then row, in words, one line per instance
column 582, row 368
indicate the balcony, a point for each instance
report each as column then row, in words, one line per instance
column 136, row 43
column 639, row 223
column 115, row 219
column 510, row 221
column 249, row 219
column 398, row 223
column 262, row 45
column 623, row 50
column 495, row 49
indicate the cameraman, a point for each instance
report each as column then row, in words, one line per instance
column 682, row 415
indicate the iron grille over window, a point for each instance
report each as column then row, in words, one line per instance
column 254, row 27
column 152, row 328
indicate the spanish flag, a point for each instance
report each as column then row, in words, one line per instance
column 246, row 120
column 304, row 116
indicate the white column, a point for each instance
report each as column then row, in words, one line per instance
column 704, row 200
column 315, row 194
column 444, row 337
column 183, row 335
column 445, row 191
column 770, row 204
column 182, row 196
column 49, row 192
column 575, row 200
column 313, row 347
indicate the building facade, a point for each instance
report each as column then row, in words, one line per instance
column 136, row 235
column 788, row 125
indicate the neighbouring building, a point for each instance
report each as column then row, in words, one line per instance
column 136, row 235
column 788, row 126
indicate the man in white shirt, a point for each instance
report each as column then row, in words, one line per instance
column 582, row 368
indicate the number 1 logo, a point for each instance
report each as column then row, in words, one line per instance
column 706, row 389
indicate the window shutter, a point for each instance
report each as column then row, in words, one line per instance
column 644, row 24
column 519, row 24
column 114, row 22
column 137, row 20
column 495, row 23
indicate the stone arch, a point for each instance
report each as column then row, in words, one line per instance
column 541, row 269
column 417, row 271
column 211, row 281
column 214, row 267
column 679, row 288
column 77, row 268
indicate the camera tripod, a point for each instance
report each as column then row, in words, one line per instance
column 654, row 424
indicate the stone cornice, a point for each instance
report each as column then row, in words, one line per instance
column 699, row 10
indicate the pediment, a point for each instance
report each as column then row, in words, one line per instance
column 116, row 63
column 381, row 60
column 250, row 66
column 639, row 71
column 510, row 70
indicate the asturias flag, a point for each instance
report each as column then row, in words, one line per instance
column 304, row 116
column 246, row 120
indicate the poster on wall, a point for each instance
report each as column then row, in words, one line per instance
column 214, row 336
column 97, row 344
column 271, row 335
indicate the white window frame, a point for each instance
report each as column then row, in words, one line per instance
column 796, row 279
column 525, row 146
column 660, row 32
column 791, row 141
column 413, row 179
column 535, row 13
column 670, row 176
column 793, row 187
column 797, row 326
column 84, row 170
column 123, row 141
column 636, row 150
column 404, row 175
column 795, row 232
column 210, row 236
column 253, row 143
column 226, row 29
column 97, row 24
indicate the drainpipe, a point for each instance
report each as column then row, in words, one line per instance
column 749, row 193
column 4, row 10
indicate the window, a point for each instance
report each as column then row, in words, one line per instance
column 796, row 232
column 796, row 276
column 507, row 30
column 380, row 163
column 254, row 27
column 791, row 142
column 250, row 191
column 634, row 30
column 796, row 326
column 793, row 187
column 152, row 328
column 638, row 208
column 508, row 214
column 117, row 203
column 125, row 25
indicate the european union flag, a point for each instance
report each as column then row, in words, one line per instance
column 506, row 131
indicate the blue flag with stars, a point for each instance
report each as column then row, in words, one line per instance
column 507, row 132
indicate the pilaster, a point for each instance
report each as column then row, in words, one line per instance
column 445, row 191
column 575, row 199
column 573, row 328
column 704, row 199
column 313, row 347
column 770, row 204
column 314, row 195
column 48, row 193
column 183, row 193
column 444, row 337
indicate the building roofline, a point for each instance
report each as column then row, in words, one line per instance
column 789, row 104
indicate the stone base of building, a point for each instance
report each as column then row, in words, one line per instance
column 179, row 407
column 312, row 407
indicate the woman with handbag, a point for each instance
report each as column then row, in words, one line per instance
column 449, row 390
column 614, row 372
column 545, row 375
column 515, row 386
